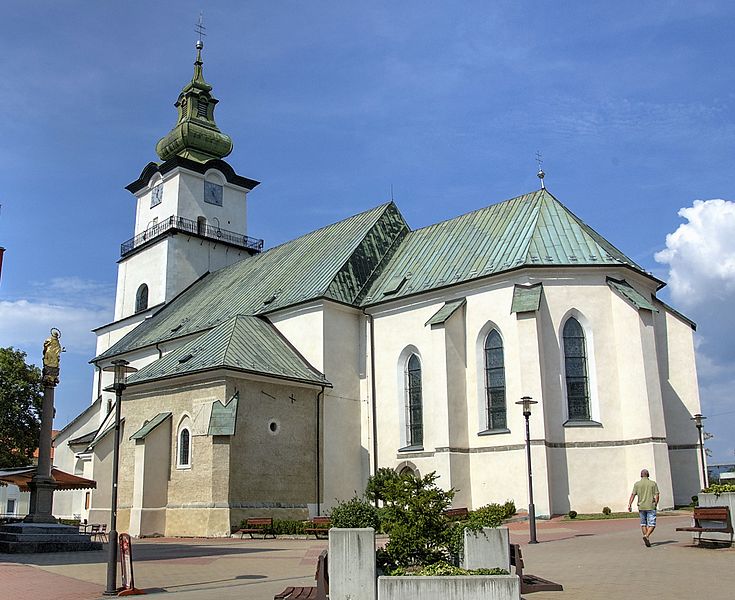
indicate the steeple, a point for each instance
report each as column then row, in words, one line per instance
column 195, row 135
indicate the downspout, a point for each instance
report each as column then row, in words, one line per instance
column 373, row 388
column 160, row 352
column 99, row 381
column 319, row 396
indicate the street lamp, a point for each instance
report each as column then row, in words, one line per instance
column 526, row 402
column 698, row 422
column 121, row 369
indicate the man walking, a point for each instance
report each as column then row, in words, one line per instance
column 648, row 495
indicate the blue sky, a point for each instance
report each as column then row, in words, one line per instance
column 330, row 103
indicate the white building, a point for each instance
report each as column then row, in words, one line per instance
column 276, row 382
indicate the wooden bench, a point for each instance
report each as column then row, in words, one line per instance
column 705, row 516
column 263, row 526
column 530, row 583
column 457, row 514
column 318, row 526
column 320, row 592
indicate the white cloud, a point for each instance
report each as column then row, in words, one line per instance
column 72, row 305
column 701, row 254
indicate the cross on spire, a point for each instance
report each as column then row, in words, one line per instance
column 200, row 29
column 540, row 173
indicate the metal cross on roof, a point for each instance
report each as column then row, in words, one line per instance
column 200, row 27
column 540, row 173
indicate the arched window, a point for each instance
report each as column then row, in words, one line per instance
column 575, row 370
column 414, row 403
column 141, row 298
column 495, row 381
column 184, row 449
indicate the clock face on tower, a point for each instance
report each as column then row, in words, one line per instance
column 213, row 193
column 157, row 195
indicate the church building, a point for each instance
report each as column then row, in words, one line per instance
column 274, row 382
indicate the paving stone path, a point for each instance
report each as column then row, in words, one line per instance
column 603, row 560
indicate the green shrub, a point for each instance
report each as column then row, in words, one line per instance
column 490, row 515
column 288, row 527
column 572, row 514
column 695, row 501
column 355, row 513
column 510, row 509
column 440, row 569
column 719, row 488
column 606, row 510
column 412, row 514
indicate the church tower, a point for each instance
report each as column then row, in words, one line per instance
column 191, row 214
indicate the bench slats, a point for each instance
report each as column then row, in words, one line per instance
column 705, row 516
column 260, row 525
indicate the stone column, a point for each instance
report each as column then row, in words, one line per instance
column 42, row 485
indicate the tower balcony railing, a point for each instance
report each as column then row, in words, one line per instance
column 200, row 229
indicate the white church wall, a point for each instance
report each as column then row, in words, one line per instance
column 145, row 214
column 303, row 326
column 680, row 391
column 149, row 268
column 70, row 504
column 190, row 257
column 232, row 215
column 343, row 452
column 623, row 376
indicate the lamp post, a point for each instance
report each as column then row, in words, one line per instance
column 121, row 369
column 698, row 422
column 526, row 402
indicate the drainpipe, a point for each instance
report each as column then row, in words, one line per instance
column 373, row 388
column 99, row 381
column 160, row 352
column 319, row 396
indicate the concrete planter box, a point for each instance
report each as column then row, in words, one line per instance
column 726, row 499
column 467, row 587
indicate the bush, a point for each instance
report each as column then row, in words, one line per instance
column 719, row 488
column 439, row 569
column 695, row 501
column 355, row 513
column 412, row 514
column 490, row 515
column 572, row 514
column 510, row 509
column 606, row 511
column 288, row 527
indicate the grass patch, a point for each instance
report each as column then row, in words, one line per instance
column 615, row 515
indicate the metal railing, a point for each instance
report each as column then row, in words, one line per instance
column 200, row 229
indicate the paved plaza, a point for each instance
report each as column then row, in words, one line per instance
column 603, row 560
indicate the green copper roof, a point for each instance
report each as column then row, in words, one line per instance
column 149, row 426
column 337, row 262
column 632, row 295
column 440, row 317
column 531, row 230
column 242, row 343
column 223, row 418
column 195, row 135
column 526, row 298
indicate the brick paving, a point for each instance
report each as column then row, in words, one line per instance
column 603, row 560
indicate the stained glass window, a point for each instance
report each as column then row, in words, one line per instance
column 575, row 366
column 495, row 381
column 414, row 403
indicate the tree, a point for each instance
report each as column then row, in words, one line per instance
column 21, row 396
column 413, row 515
